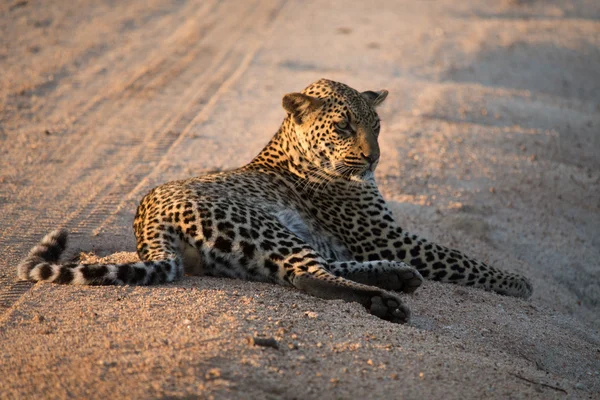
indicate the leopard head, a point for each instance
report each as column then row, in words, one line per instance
column 336, row 128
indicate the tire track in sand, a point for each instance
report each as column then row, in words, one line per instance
column 190, row 81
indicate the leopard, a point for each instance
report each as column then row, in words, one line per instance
column 306, row 212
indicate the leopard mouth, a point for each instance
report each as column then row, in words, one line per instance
column 353, row 170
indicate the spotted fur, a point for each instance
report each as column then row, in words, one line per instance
column 305, row 212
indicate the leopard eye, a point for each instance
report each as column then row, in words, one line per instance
column 344, row 127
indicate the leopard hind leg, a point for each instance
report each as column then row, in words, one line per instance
column 307, row 271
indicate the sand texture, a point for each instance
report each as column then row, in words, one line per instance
column 490, row 144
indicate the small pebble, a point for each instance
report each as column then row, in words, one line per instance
column 213, row 373
column 263, row 341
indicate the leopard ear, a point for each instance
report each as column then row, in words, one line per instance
column 300, row 105
column 375, row 98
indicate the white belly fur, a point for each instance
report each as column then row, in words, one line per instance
column 328, row 247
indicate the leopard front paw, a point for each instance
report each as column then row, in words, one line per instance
column 389, row 307
column 400, row 278
column 409, row 278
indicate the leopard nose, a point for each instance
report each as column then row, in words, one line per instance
column 371, row 158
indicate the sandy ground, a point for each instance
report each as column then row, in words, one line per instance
column 491, row 144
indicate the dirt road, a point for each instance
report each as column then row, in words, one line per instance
column 490, row 141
